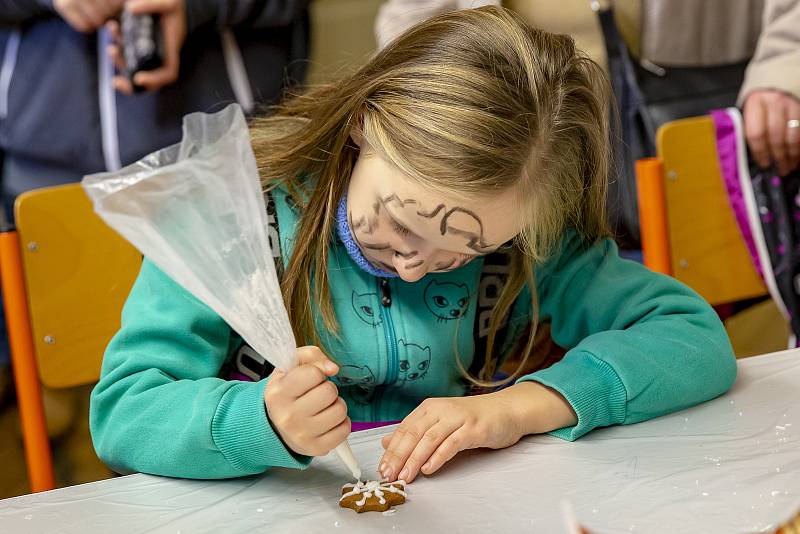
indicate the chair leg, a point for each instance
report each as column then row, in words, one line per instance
column 653, row 215
column 23, row 362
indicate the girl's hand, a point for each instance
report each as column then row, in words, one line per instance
column 304, row 406
column 441, row 427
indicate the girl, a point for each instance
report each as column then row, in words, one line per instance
column 431, row 209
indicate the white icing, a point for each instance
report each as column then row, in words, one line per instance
column 370, row 488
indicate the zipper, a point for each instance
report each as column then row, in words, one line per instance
column 388, row 331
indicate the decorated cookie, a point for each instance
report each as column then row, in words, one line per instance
column 373, row 495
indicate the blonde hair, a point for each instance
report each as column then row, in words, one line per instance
column 466, row 104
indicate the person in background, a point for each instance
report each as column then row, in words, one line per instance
column 690, row 58
column 770, row 93
column 661, row 33
column 61, row 117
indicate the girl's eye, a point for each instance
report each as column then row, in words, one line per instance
column 400, row 229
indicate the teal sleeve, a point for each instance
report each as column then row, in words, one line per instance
column 159, row 407
column 641, row 344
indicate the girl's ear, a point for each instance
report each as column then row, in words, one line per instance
column 355, row 135
column 357, row 131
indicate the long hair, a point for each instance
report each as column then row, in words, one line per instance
column 467, row 104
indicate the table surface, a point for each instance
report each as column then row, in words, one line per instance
column 727, row 466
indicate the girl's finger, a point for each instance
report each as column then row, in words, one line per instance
column 407, row 436
column 330, row 418
column 314, row 356
column 318, row 399
column 426, row 447
column 455, row 443
column 335, row 436
column 301, row 380
column 390, row 442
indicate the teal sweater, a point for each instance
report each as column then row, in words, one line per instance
column 640, row 345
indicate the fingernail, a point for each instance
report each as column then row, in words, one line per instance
column 382, row 468
column 387, row 472
column 403, row 474
column 330, row 367
column 427, row 466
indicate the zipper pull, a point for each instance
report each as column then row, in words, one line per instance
column 386, row 294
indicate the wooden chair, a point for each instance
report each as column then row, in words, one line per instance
column 65, row 276
column 689, row 231
column 687, row 225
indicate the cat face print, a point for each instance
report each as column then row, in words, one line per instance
column 446, row 300
column 363, row 306
column 355, row 375
column 359, row 381
column 414, row 362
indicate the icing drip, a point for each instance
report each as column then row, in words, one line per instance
column 370, row 488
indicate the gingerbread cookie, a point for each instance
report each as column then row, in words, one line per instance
column 373, row 495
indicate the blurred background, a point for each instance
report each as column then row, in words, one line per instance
column 667, row 60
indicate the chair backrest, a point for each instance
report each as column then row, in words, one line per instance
column 705, row 246
column 78, row 273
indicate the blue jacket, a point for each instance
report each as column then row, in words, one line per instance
column 50, row 116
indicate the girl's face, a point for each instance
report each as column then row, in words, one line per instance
column 403, row 228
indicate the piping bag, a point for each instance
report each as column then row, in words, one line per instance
column 196, row 210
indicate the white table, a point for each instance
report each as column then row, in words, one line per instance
column 728, row 466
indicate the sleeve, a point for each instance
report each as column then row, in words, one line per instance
column 641, row 344
column 16, row 11
column 159, row 407
column 776, row 63
column 251, row 13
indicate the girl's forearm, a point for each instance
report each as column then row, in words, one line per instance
column 538, row 408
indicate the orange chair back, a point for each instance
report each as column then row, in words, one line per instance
column 688, row 227
column 65, row 277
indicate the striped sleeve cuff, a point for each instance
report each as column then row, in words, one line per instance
column 591, row 386
column 250, row 446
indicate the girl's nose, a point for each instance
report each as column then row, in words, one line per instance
column 410, row 270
